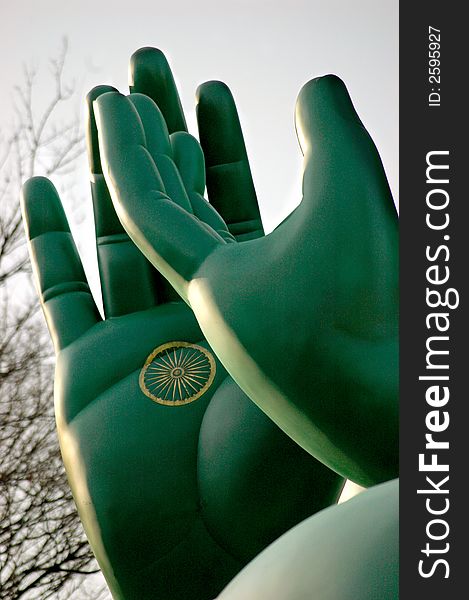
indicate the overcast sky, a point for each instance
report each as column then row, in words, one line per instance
column 264, row 50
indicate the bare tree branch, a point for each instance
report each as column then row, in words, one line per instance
column 43, row 551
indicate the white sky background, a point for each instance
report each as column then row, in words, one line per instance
column 264, row 50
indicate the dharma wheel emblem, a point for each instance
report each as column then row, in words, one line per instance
column 177, row 373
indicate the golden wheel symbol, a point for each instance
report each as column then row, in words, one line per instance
column 177, row 373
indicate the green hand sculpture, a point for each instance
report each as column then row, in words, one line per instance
column 178, row 477
column 305, row 319
column 345, row 552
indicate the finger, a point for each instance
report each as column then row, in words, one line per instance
column 339, row 152
column 63, row 290
column 189, row 160
column 174, row 240
column 208, row 215
column 159, row 147
column 150, row 74
column 127, row 278
column 347, row 201
column 229, row 181
column 326, row 120
column 180, row 163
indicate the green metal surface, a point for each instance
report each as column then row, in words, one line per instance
column 346, row 552
column 304, row 319
column 176, row 493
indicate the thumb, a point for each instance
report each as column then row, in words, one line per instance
column 324, row 113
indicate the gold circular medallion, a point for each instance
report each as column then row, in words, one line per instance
column 177, row 373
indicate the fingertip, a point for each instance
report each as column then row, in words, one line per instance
column 323, row 104
column 94, row 158
column 97, row 91
column 41, row 207
column 154, row 125
column 189, row 158
column 325, row 85
column 103, row 108
column 145, row 63
column 219, row 126
column 118, row 123
column 108, row 99
column 210, row 91
column 150, row 74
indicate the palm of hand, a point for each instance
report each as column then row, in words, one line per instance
column 122, row 451
column 156, row 484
